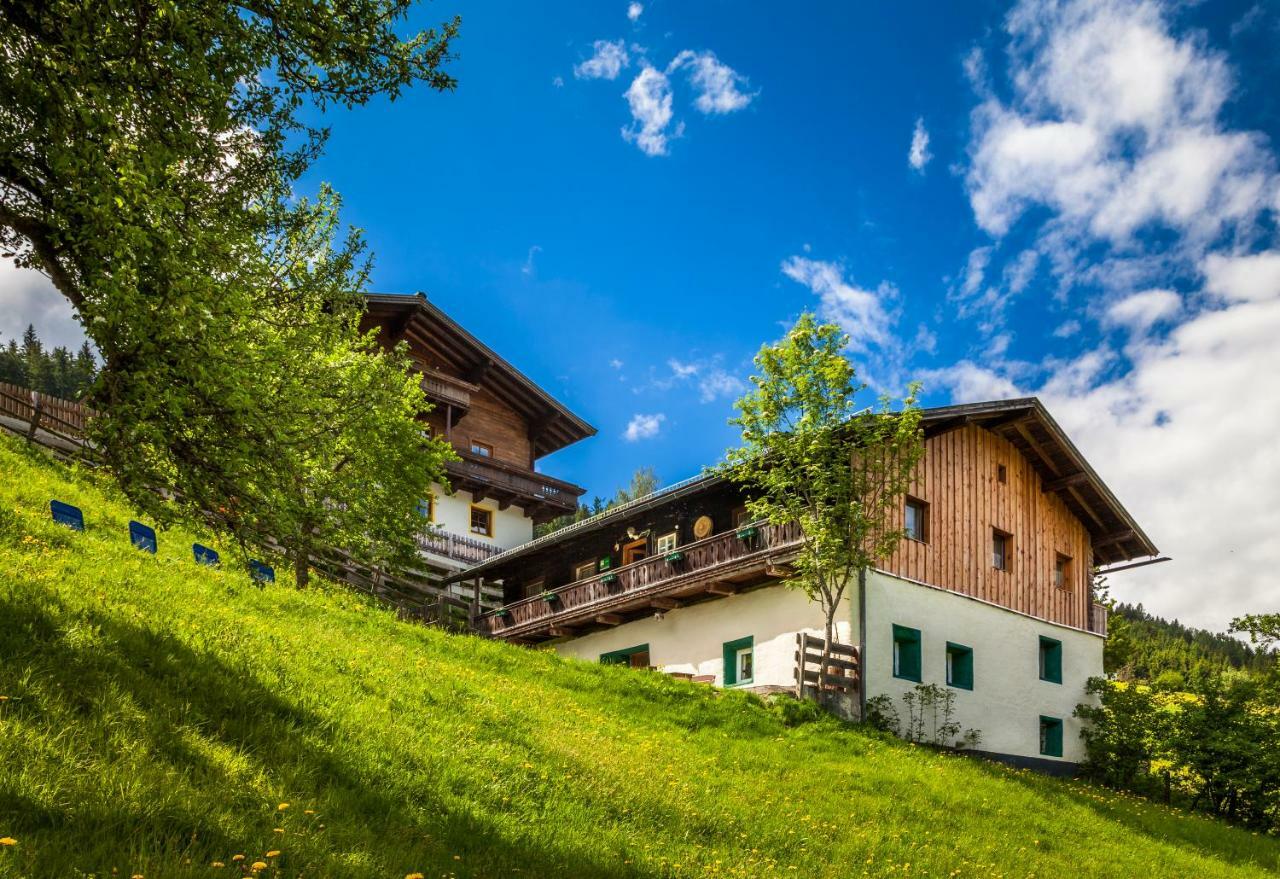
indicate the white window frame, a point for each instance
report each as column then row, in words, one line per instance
column 666, row 543
column 588, row 566
column 749, row 654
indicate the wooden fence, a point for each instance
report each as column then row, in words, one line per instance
column 844, row 666
column 64, row 419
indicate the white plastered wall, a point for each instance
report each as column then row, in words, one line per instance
column 511, row 527
column 691, row 639
column 1008, row 697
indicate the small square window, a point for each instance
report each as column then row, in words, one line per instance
column 534, row 588
column 916, row 519
column 959, row 666
column 739, row 661
column 484, row 450
column 1051, row 736
column 906, row 653
column 583, row 570
column 1050, row 660
column 1001, row 549
column 1062, row 571
column 666, row 543
column 482, row 521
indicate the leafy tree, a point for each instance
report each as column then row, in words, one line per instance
column 643, row 482
column 148, row 156
column 56, row 372
column 1141, row 646
column 1263, row 628
column 811, row 455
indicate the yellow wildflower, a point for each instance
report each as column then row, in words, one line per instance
column 8, row 840
column 277, row 830
column 258, row 865
column 237, row 857
column 415, row 876
column 282, row 807
column 274, row 853
column 217, row 864
column 308, row 811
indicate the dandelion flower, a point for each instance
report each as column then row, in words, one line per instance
column 414, row 876
column 274, row 853
column 277, row 830
column 217, row 864
column 258, row 865
column 282, row 807
column 237, row 857
column 8, row 840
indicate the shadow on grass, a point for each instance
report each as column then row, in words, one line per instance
column 1207, row 838
column 126, row 690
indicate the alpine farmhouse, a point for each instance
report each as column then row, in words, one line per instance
column 989, row 595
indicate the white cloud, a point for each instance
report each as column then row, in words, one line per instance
column 717, row 383
column 717, row 84
column 858, row 311
column 1067, row 328
column 643, row 427
column 918, row 156
column 616, row 363
column 1141, row 311
column 681, row 370
column 634, row 10
column 558, row 82
column 606, row 62
column 649, row 98
column 528, row 268
column 28, row 297
column 1243, row 278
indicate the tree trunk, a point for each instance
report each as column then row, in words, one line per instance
column 301, row 565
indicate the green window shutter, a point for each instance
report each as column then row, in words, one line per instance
column 622, row 657
column 1050, row 736
column 906, row 653
column 731, row 649
column 1050, row 660
column 959, row 666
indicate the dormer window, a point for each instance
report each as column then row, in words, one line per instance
column 484, row 450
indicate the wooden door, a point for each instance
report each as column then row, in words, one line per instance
column 635, row 551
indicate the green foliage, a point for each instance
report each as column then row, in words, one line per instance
column 149, row 153
column 56, row 372
column 930, row 717
column 812, row 455
column 1212, row 747
column 1263, row 628
column 1144, row 647
column 156, row 714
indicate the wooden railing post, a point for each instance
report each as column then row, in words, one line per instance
column 35, row 416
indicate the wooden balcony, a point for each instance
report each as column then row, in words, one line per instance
column 540, row 496
column 719, row 565
column 457, row 546
column 446, row 389
column 1098, row 619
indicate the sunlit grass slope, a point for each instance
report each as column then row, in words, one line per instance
column 162, row 719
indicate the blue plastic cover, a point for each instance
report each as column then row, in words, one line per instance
column 206, row 556
column 260, row 572
column 65, row 514
column 143, row 537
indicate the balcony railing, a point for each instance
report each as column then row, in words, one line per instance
column 456, row 546
column 446, row 389
column 1098, row 619
column 708, row 561
column 523, row 483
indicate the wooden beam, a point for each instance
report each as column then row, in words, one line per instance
column 1021, row 427
column 1085, row 506
column 561, row 631
column 664, row 603
column 1064, row 482
column 476, row 374
column 1117, row 537
column 609, row 619
column 783, row 571
column 722, row 589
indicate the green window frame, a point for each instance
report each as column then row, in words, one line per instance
column 731, row 651
column 1050, row 736
column 959, row 666
column 906, row 653
column 1050, row 660
column 623, row 656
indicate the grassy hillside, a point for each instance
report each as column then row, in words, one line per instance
column 158, row 718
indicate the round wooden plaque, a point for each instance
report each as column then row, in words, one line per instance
column 702, row 527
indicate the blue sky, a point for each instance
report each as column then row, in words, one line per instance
column 1092, row 219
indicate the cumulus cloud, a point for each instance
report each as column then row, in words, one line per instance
column 606, row 62
column 707, row 375
column 918, row 156
column 643, row 427
column 718, row 86
column 649, row 98
column 28, row 297
column 1113, row 153
column 634, row 11
column 858, row 311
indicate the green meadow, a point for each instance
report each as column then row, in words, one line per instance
column 162, row 719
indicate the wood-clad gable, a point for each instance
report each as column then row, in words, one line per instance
column 959, row 480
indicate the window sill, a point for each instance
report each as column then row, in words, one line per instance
column 961, row 687
column 906, row 678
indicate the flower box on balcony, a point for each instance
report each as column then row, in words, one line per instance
column 747, row 533
column 609, row 579
column 674, row 556
column 551, row 598
column 502, row 614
